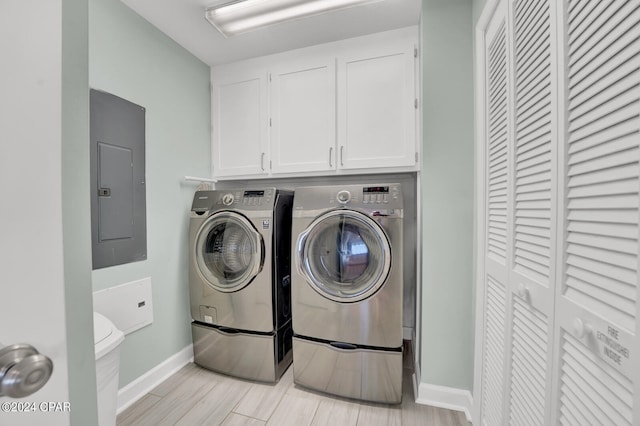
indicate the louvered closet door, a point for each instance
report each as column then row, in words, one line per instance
column 533, row 185
column 497, row 212
column 597, row 361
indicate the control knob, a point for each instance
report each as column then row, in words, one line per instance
column 227, row 199
column 343, row 196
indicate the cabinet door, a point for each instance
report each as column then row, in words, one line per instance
column 303, row 116
column 377, row 107
column 597, row 303
column 239, row 133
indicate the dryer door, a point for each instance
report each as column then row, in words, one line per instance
column 344, row 255
column 229, row 251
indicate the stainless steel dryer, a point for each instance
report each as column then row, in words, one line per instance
column 239, row 279
column 347, row 290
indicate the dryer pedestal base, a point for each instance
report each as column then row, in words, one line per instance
column 366, row 374
column 260, row 357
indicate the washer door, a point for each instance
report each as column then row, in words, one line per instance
column 344, row 255
column 229, row 252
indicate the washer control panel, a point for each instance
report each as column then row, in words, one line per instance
column 211, row 200
column 261, row 199
column 255, row 198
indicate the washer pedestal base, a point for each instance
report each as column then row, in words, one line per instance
column 367, row 374
column 261, row 357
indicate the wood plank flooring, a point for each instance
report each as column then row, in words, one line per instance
column 196, row 396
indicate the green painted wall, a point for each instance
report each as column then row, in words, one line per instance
column 447, row 189
column 478, row 5
column 130, row 58
column 76, row 213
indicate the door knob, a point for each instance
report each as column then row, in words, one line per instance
column 23, row 370
column 523, row 291
column 581, row 328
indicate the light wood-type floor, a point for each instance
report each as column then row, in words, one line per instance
column 196, row 396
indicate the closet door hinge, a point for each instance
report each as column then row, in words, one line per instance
column 415, row 52
column 416, row 157
column 415, row 103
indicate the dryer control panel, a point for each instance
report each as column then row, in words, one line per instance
column 380, row 194
column 385, row 199
column 247, row 199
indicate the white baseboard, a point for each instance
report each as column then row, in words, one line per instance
column 444, row 397
column 416, row 380
column 152, row 378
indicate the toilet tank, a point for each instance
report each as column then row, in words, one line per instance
column 107, row 340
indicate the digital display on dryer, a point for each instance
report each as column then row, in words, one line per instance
column 376, row 190
column 253, row 193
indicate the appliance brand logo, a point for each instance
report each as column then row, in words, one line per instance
column 266, row 223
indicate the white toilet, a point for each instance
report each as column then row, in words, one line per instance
column 107, row 339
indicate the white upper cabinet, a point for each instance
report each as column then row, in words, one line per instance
column 377, row 106
column 303, row 116
column 342, row 107
column 239, row 134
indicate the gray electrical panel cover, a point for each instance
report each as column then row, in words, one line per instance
column 118, row 195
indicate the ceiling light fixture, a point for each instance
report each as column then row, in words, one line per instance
column 246, row 15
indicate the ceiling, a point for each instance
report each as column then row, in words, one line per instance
column 184, row 22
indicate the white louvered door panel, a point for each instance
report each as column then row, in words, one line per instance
column 498, row 151
column 532, row 262
column 494, row 349
column 597, row 304
column 497, row 212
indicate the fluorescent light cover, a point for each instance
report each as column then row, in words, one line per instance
column 247, row 15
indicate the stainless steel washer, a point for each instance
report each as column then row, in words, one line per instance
column 239, row 280
column 347, row 290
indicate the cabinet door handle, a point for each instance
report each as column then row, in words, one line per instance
column 341, row 155
column 330, row 156
column 262, row 161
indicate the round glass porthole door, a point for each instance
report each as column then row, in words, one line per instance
column 228, row 251
column 345, row 255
